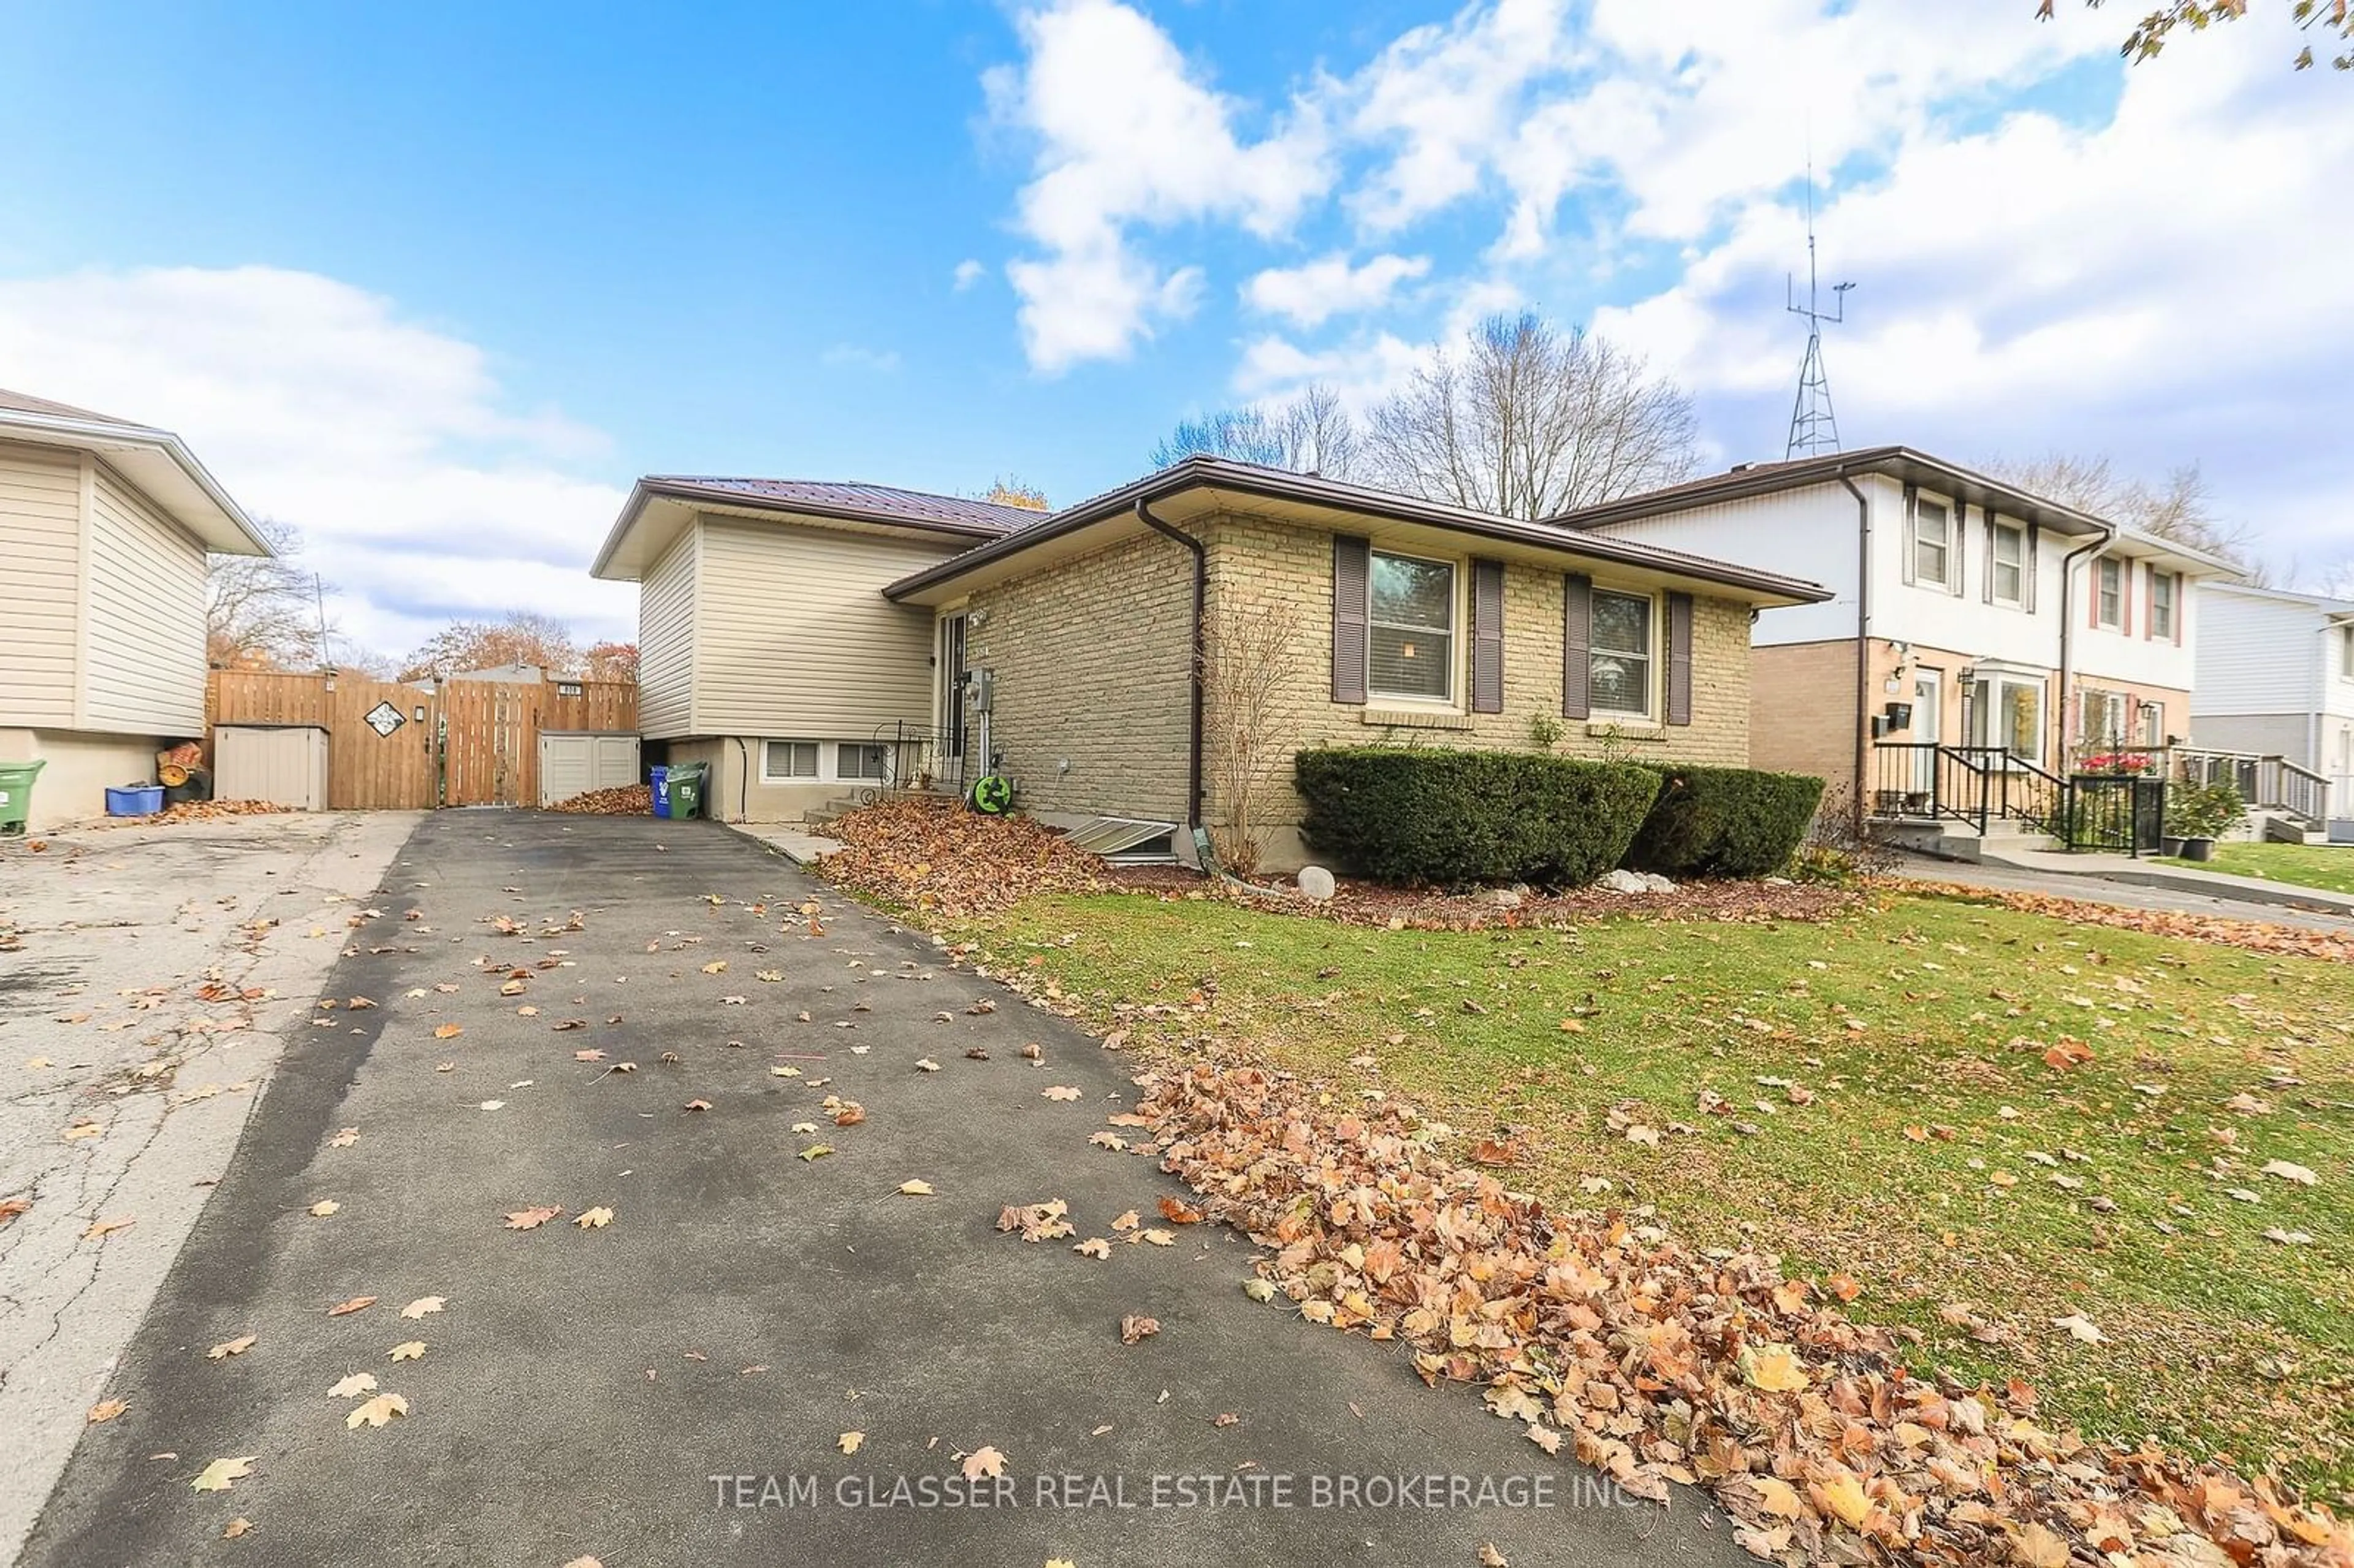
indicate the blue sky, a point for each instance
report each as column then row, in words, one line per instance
column 434, row 282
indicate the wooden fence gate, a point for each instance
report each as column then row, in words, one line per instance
column 394, row 747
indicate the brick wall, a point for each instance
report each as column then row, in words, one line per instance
column 1092, row 663
column 1256, row 560
column 1802, row 710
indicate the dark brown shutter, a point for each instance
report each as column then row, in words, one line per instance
column 2033, row 552
column 1351, row 610
column 1576, row 646
column 1486, row 637
column 1958, row 560
column 1987, row 514
column 1679, row 657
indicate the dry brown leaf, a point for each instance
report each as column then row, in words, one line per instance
column 983, row 1463
column 106, row 1228
column 106, row 1410
column 424, row 1304
column 408, row 1351
column 1060, row 1092
column 1133, row 1328
column 356, row 1304
column 850, row 1442
column 352, row 1387
column 236, row 1346
column 217, row 1475
column 376, row 1412
column 915, row 1189
column 236, row 1527
column 324, row 1207
column 595, row 1219
column 448, row 1031
column 531, row 1219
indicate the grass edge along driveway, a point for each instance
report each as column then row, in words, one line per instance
column 2329, row 867
column 2002, row 1133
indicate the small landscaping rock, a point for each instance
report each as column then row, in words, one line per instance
column 1505, row 897
column 1624, row 881
column 1316, row 884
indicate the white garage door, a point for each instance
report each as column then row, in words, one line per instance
column 573, row 763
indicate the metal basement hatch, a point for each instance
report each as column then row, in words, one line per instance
column 1124, row 840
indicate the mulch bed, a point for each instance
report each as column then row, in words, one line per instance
column 1356, row 903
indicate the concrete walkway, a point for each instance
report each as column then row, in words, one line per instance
column 675, row 1386
column 795, row 843
column 2205, row 899
column 2176, row 878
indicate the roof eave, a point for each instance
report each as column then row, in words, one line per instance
column 655, row 488
column 1768, row 588
column 223, row 530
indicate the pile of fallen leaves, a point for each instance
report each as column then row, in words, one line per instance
column 213, row 810
column 1604, row 1335
column 933, row 854
column 2255, row 936
column 628, row 801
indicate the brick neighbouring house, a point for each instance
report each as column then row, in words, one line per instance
column 1413, row 621
column 1979, row 638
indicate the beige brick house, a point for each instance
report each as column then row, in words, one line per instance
column 1060, row 651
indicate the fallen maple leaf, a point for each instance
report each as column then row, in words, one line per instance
column 217, row 1475
column 345, row 1138
column 236, row 1527
column 236, row 1346
column 849, row 1442
column 1773, row 1368
column 356, row 1304
column 2080, row 1327
column 2288, row 1172
column 1134, row 1328
column 595, row 1219
column 1178, row 1213
column 103, row 1228
column 352, row 1387
column 1491, row 1557
column 1094, row 1246
column 324, row 1207
column 423, row 1305
column 984, row 1462
column 531, row 1219
column 915, row 1188
column 376, row 1412
column 449, row 1031
column 1060, row 1092
column 698, row 1105
column 106, row 1410
column 816, row 1150
column 408, row 1351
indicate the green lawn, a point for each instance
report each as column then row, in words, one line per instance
column 2329, row 866
column 1892, row 1065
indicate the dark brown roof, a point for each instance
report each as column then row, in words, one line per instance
column 1250, row 479
column 869, row 502
column 1901, row 463
column 26, row 403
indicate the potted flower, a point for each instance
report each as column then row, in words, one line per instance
column 2198, row 814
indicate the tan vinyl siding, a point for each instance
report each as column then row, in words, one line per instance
column 40, row 547
column 666, row 642
column 146, row 643
column 793, row 636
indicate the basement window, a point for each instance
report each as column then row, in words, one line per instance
column 862, row 760
column 782, row 761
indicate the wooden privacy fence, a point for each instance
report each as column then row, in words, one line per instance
column 395, row 746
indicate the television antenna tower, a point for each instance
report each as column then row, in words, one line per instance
column 1814, row 428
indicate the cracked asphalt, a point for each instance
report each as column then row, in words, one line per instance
column 127, row 1090
column 674, row 1387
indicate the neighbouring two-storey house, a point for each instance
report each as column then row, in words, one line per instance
column 1980, row 643
column 2275, row 693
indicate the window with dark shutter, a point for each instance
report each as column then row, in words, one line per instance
column 1351, row 577
column 1576, row 651
column 1486, row 637
column 1679, row 657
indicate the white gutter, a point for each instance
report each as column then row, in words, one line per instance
column 108, row 432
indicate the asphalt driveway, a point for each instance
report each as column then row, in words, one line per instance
column 675, row 1386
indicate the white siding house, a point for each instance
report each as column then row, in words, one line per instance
column 104, row 529
column 2276, row 678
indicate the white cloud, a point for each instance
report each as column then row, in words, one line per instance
column 2154, row 288
column 969, row 272
column 1127, row 137
column 1312, row 294
column 421, row 492
column 858, row 357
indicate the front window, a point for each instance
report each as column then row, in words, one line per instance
column 2009, row 564
column 1412, row 651
column 1619, row 653
column 787, row 759
column 2111, row 609
column 2346, row 651
column 2161, row 604
column 1933, row 544
column 2105, row 720
column 2022, row 722
column 862, row 760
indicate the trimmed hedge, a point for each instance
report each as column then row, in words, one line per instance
column 1725, row 822
column 1432, row 815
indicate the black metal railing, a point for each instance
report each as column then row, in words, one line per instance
column 1981, row 785
column 2265, row 780
column 2123, row 813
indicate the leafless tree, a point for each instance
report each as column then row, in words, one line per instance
column 2181, row 507
column 1523, row 420
column 1312, row 433
column 1248, row 654
column 262, row 612
column 2149, row 35
column 523, row 637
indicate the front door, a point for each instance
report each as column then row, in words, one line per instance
column 1928, row 728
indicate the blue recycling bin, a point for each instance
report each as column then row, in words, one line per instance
column 661, row 792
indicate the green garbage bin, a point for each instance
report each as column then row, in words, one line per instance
column 687, row 783
column 17, row 793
